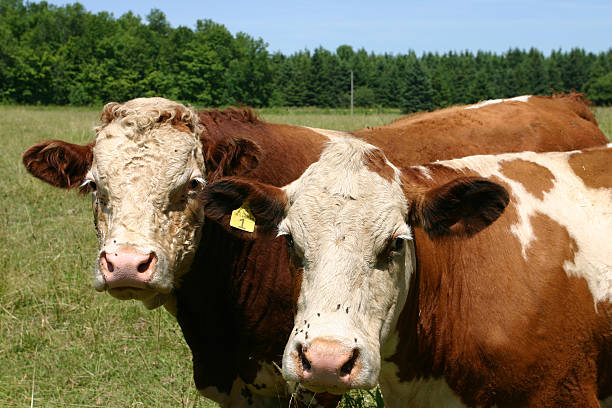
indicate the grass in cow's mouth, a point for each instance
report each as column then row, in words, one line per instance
column 62, row 343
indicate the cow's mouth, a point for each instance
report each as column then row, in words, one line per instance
column 128, row 292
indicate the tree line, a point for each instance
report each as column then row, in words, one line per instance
column 66, row 55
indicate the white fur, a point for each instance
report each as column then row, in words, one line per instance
column 523, row 98
column 585, row 212
column 331, row 134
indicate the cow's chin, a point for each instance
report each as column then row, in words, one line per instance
column 149, row 297
column 329, row 389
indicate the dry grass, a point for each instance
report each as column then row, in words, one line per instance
column 61, row 343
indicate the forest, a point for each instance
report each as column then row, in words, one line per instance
column 66, row 55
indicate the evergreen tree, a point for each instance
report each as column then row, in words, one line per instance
column 600, row 91
column 417, row 94
column 534, row 69
column 66, row 55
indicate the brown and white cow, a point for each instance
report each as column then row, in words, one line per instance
column 479, row 281
column 232, row 297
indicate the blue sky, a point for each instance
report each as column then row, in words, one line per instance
column 395, row 26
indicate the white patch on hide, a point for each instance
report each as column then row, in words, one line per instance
column 423, row 393
column 585, row 212
column 523, row 98
column 425, row 171
column 331, row 134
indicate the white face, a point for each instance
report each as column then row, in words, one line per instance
column 144, row 179
column 349, row 234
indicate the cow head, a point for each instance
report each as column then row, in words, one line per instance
column 149, row 161
column 348, row 222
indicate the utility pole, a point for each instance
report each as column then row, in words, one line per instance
column 351, row 93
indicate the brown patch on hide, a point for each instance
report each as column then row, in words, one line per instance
column 176, row 120
column 107, row 114
column 536, row 179
column 376, row 161
column 594, row 167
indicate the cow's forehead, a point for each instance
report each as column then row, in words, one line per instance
column 161, row 154
column 342, row 193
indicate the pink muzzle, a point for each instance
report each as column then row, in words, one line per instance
column 127, row 268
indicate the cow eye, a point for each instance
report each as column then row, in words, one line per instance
column 398, row 244
column 195, row 184
column 89, row 186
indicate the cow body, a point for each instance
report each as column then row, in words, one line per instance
column 233, row 297
column 484, row 281
column 520, row 313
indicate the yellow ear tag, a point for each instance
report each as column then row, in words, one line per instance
column 243, row 218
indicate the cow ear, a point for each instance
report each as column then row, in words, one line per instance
column 231, row 156
column 461, row 207
column 266, row 203
column 59, row 163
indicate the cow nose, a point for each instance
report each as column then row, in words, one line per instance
column 327, row 363
column 127, row 268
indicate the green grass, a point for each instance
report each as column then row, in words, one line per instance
column 604, row 119
column 61, row 343
column 337, row 119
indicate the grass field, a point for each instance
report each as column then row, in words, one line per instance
column 61, row 343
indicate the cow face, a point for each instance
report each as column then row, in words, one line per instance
column 347, row 223
column 144, row 172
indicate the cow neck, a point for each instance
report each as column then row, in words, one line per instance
column 235, row 311
column 407, row 354
column 420, row 351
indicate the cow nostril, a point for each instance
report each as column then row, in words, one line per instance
column 144, row 266
column 350, row 364
column 303, row 359
column 109, row 265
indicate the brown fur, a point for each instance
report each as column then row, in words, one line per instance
column 525, row 172
column 59, row 163
column 589, row 166
column 377, row 163
column 230, row 156
column 542, row 124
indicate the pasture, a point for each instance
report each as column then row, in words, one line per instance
column 61, row 343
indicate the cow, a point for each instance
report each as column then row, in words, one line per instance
column 232, row 297
column 482, row 281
